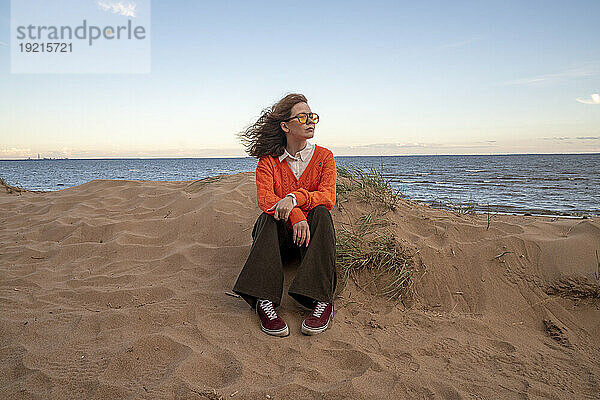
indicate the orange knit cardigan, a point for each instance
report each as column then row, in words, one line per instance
column 274, row 180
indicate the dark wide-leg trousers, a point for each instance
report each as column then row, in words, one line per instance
column 262, row 274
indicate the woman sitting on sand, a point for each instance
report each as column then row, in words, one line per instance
column 295, row 188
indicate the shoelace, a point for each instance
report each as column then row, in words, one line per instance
column 319, row 308
column 267, row 306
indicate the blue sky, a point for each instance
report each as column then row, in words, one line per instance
column 386, row 77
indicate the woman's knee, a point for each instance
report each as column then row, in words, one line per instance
column 264, row 217
column 262, row 221
column 321, row 211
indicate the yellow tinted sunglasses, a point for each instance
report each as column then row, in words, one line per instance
column 304, row 117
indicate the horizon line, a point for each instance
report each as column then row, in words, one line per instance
column 341, row 155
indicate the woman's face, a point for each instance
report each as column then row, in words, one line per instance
column 294, row 128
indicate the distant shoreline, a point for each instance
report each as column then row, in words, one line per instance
column 536, row 184
column 245, row 157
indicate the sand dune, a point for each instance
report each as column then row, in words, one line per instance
column 116, row 289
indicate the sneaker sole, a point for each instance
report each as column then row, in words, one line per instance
column 280, row 332
column 307, row 330
column 285, row 331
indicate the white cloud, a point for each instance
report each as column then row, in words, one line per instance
column 577, row 138
column 595, row 99
column 581, row 71
column 416, row 146
column 11, row 152
column 121, row 8
column 3, row 44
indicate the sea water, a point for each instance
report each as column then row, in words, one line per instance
column 556, row 184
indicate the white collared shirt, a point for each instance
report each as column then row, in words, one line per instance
column 299, row 162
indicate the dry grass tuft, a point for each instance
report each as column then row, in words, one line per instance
column 11, row 189
column 459, row 208
column 367, row 185
column 366, row 250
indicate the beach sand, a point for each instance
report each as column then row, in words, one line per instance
column 116, row 289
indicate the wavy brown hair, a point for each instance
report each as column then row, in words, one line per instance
column 265, row 136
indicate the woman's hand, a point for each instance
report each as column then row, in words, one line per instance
column 301, row 233
column 283, row 208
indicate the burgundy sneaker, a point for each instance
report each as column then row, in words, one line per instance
column 270, row 322
column 319, row 319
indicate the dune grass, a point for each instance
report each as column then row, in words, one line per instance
column 367, row 249
column 597, row 272
column 368, row 185
column 10, row 188
column 365, row 244
column 460, row 208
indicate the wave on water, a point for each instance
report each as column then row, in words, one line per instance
column 557, row 179
column 527, row 183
